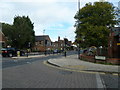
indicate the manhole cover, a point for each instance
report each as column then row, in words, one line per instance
column 65, row 72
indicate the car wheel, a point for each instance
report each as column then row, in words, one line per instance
column 10, row 55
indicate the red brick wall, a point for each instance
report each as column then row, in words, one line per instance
column 92, row 59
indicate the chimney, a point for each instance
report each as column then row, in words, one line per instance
column 58, row 38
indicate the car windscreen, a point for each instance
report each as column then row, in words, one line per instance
column 3, row 49
column 11, row 49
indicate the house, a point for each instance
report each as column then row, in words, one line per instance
column 2, row 40
column 114, row 43
column 42, row 43
column 60, row 44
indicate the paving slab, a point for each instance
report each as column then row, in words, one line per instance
column 73, row 62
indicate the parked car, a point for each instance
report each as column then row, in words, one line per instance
column 10, row 52
column 92, row 51
column 55, row 51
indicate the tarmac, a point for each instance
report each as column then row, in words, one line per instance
column 73, row 63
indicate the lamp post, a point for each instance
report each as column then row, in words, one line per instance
column 43, row 31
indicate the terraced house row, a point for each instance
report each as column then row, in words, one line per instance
column 43, row 42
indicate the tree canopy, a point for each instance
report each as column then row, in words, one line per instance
column 20, row 34
column 93, row 23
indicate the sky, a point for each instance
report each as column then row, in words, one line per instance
column 50, row 17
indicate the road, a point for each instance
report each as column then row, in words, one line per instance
column 33, row 73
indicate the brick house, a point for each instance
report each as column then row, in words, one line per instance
column 114, row 41
column 2, row 40
column 42, row 43
column 60, row 44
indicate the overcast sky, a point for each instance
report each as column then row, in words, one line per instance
column 56, row 17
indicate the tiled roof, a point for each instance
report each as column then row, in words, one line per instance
column 42, row 37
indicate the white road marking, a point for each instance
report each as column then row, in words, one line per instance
column 100, row 83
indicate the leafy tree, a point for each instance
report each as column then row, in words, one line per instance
column 23, row 32
column 7, row 30
column 93, row 23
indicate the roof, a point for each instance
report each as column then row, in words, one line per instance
column 42, row 38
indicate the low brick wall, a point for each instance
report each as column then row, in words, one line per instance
column 92, row 59
column 87, row 58
column 113, row 60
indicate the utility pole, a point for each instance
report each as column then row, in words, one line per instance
column 78, row 5
column 78, row 42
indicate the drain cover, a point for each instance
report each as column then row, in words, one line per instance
column 65, row 72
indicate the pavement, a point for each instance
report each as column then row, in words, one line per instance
column 73, row 63
column 29, row 56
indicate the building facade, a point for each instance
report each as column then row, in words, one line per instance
column 114, row 43
column 42, row 43
column 2, row 40
column 60, row 44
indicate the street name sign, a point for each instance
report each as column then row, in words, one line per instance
column 100, row 57
column 118, row 43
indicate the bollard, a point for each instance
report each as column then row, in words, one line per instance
column 18, row 53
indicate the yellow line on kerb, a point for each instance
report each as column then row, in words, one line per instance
column 62, row 68
column 69, row 69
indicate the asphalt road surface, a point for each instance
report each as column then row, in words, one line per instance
column 33, row 73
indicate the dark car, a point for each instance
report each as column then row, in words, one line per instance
column 10, row 52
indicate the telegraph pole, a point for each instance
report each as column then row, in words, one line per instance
column 78, row 42
column 78, row 5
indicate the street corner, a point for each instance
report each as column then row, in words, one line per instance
column 67, row 67
column 51, row 62
column 76, row 68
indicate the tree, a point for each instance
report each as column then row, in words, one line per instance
column 93, row 23
column 21, row 34
column 24, row 35
column 7, row 30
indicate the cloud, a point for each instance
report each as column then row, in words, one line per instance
column 69, row 33
column 56, row 16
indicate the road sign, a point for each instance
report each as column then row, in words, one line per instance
column 100, row 57
column 118, row 43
